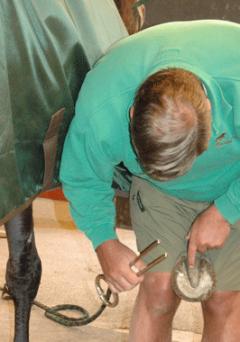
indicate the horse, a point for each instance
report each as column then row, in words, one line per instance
column 44, row 56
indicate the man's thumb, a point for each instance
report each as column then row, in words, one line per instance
column 191, row 254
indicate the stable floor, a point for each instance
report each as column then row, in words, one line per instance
column 69, row 270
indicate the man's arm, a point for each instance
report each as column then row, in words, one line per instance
column 209, row 230
column 86, row 173
column 212, row 227
column 229, row 203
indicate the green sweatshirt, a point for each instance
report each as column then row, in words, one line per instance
column 99, row 139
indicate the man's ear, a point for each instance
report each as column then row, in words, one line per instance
column 131, row 112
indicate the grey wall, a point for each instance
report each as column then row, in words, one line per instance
column 159, row 11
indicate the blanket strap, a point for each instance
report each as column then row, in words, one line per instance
column 50, row 147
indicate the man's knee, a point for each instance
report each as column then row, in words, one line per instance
column 222, row 303
column 158, row 295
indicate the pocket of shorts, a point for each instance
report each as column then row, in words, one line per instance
column 136, row 199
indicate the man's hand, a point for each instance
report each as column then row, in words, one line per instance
column 114, row 258
column 209, row 230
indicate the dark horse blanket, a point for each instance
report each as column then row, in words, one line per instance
column 46, row 49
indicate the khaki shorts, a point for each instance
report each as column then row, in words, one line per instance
column 156, row 215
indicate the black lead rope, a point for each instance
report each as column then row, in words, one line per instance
column 55, row 315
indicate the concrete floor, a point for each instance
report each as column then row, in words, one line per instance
column 69, row 270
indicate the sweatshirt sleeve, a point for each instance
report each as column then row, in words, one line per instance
column 229, row 203
column 86, row 174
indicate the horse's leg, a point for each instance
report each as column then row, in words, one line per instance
column 23, row 270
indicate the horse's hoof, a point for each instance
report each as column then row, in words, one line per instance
column 193, row 284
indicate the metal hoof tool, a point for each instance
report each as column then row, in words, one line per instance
column 193, row 284
column 106, row 296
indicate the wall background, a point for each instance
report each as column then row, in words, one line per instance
column 160, row 11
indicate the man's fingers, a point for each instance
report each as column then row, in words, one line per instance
column 203, row 249
column 125, row 282
column 120, row 285
column 192, row 249
column 135, row 268
column 114, row 287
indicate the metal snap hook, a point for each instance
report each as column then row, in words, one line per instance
column 105, row 297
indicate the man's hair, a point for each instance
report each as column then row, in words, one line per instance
column 170, row 126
